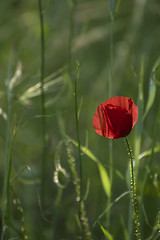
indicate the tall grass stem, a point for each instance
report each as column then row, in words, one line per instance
column 150, row 161
column 71, row 35
column 42, row 69
column 151, row 156
column 84, row 220
column 110, row 95
column 77, row 132
column 8, row 158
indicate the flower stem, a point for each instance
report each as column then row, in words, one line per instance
column 133, row 190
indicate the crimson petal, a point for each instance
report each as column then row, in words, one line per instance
column 116, row 117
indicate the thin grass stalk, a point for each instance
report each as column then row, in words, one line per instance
column 138, row 136
column 84, row 220
column 8, row 159
column 149, row 165
column 77, row 132
column 71, row 35
column 18, row 204
column 133, row 191
column 110, row 206
column 111, row 53
column 130, row 220
column 82, row 215
column 76, row 179
column 138, row 129
column 43, row 170
column 55, row 210
column 151, row 156
column 110, row 95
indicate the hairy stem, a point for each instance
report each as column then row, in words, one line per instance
column 133, row 191
column 77, row 130
column 83, row 217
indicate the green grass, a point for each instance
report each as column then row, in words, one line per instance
column 45, row 115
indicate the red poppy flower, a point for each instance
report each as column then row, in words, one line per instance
column 116, row 117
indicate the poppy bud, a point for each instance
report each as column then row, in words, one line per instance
column 116, row 117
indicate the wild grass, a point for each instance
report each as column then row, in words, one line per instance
column 59, row 179
column 42, row 74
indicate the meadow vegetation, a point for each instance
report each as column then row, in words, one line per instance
column 58, row 61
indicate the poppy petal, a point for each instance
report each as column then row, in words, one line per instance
column 116, row 117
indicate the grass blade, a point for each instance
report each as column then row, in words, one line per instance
column 102, row 171
column 106, row 233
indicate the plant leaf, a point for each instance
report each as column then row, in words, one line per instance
column 105, row 179
column 155, row 76
column 117, row 6
column 102, row 171
column 15, row 80
column 148, row 152
column 151, row 97
column 156, row 72
column 106, row 233
column 110, row 206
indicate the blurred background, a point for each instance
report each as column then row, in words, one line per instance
column 92, row 32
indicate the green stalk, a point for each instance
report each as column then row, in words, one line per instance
column 84, row 220
column 78, row 182
column 110, row 95
column 111, row 56
column 71, row 35
column 55, row 210
column 8, row 161
column 138, row 129
column 138, row 136
column 78, row 138
column 81, row 210
column 133, row 191
column 43, row 170
column 149, row 165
